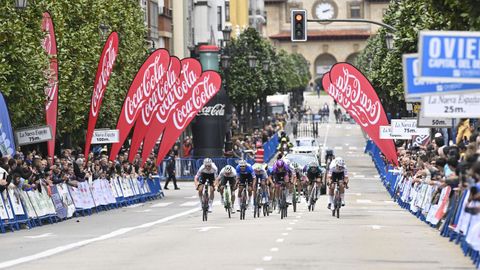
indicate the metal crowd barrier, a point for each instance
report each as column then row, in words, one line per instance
column 59, row 202
column 186, row 168
column 441, row 208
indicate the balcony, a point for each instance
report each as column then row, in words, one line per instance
column 165, row 11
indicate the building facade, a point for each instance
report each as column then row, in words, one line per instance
column 328, row 43
column 158, row 19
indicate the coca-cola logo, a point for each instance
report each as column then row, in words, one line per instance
column 216, row 110
column 50, row 91
column 347, row 90
column 149, row 77
column 47, row 27
column 207, row 86
column 105, row 70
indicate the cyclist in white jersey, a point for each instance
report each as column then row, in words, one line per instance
column 207, row 172
column 337, row 173
column 227, row 174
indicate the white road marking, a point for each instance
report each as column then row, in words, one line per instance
column 191, row 197
column 280, row 240
column 285, row 233
column 135, row 205
column 206, row 229
column 258, row 268
column 348, row 127
column 275, row 249
column 359, row 194
column 298, row 217
column 347, row 144
column 144, row 211
column 295, row 220
column 352, row 148
column 267, row 258
column 289, row 228
column 364, row 201
column 338, row 148
column 389, row 202
column 216, row 203
column 82, row 243
column 190, row 204
column 359, row 176
column 376, row 227
column 376, row 176
column 40, row 236
column 162, row 204
column 292, row 223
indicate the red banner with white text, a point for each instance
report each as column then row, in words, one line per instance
column 49, row 44
column 159, row 100
column 183, row 113
column 352, row 90
column 143, row 86
column 104, row 70
column 190, row 73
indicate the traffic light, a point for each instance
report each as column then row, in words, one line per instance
column 299, row 25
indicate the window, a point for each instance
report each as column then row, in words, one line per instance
column 219, row 18
column 153, row 20
column 227, row 11
column 355, row 10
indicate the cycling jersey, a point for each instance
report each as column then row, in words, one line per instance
column 262, row 175
column 312, row 174
column 280, row 177
column 245, row 175
column 205, row 174
column 337, row 174
column 224, row 177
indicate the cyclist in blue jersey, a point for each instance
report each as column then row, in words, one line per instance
column 260, row 177
column 245, row 177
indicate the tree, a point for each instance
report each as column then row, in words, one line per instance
column 383, row 67
column 79, row 44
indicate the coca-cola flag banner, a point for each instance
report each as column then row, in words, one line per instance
column 7, row 141
column 51, row 90
column 104, row 70
column 352, row 90
column 146, row 81
column 207, row 86
column 160, row 99
column 191, row 70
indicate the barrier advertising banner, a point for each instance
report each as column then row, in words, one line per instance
column 144, row 84
column 7, row 141
column 349, row 87
column 49, row 44
column 104, row 70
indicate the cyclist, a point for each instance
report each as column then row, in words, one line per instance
column 280, row 174
column 245, row 179
column 227, row 174
column 329, row 156
column 207, row 171
column 262, row 178
column 297, row 177
column 313, row 173
column 337, row 173
column 284, row 146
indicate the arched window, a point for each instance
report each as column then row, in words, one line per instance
column 323, row 63
column 351, row 58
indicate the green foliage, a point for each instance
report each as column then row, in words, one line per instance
column 286, row 71
column 384, row 67
column 79, row 44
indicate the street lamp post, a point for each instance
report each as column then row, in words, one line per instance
column 389, row 39
column 264, row 111
column 225, row 63
column 21, row 4
column 104, row 29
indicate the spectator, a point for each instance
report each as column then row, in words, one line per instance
column 187, row 148
column 170, row 168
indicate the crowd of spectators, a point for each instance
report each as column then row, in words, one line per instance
column 442, row 162
column 33, row 170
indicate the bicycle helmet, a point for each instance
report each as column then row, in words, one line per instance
column 228, row 169
column 242, row 163
column 280, row 164
column 207, row 162
column 295, row 166
column 340, row 162
column 258, row 167
column 284, row 139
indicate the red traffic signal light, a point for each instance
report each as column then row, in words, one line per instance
column 298, row 20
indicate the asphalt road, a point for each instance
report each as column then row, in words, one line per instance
column 372, row 232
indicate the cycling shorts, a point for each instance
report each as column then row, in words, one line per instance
column 278, row 179
column 337, row 176
column 231, row 181
column 246, row 178
column 207, row 176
